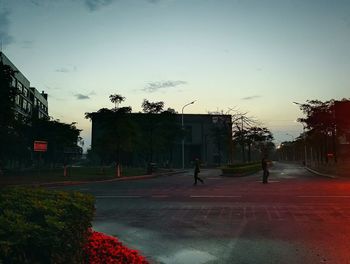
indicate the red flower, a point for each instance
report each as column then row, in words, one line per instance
column 102, row 248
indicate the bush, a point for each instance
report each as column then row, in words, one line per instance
column 240, row 169
column 43, row 226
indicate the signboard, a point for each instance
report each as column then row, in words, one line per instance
column 40, row 146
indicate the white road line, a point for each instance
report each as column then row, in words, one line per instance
column 118, row 196
column 215, row 196
column 323, row 196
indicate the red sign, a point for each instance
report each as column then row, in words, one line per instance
column 40, row 146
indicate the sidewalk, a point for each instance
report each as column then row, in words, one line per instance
column 330, row 170
column 128, row 178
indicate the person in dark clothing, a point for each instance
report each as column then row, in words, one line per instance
column 264, row 165
column 196, row 171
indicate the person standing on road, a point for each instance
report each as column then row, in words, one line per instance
column 264, row 165
column 196, row 171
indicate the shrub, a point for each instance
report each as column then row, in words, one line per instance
column 106, row 249
column 43, row 226
column 240, row 169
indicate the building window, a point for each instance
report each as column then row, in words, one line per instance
column 13, row 82
column 17, row 100
column 25, row 105
column 25, row 92
column 20, row 87
column 29, row 108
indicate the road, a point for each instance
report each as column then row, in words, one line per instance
column 298, row 217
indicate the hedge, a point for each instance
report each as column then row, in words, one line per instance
column 43, row 226
column 240, row 169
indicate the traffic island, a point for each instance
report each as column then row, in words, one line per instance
column 240, row 170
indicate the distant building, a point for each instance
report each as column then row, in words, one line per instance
column 207, row 137
column 29, row 101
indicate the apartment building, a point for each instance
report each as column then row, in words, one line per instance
column 29, row 101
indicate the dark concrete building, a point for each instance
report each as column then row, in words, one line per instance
column 207, row 137
column 29, row 101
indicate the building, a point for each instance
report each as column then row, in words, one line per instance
column 206, row 137
column 29, row 101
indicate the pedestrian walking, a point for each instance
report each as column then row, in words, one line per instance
column 196, row 171
column 264, row 165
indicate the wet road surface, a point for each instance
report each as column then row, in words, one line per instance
column 297, row 218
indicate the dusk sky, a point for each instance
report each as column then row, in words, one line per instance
column 255, row 56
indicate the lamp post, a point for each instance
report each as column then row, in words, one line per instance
column 304, row 137
column 183, row 138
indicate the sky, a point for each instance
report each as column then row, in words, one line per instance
column 255, row 56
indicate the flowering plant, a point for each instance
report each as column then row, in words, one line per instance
column 102, row 248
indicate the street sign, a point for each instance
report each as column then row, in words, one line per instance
column 40, row 146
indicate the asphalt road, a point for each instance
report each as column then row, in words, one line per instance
column 298, row 217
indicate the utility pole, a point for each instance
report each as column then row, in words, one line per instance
column 183, row 129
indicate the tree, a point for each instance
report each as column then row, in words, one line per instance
column 8, row 132
column 321, row 123
column 259, row 137
column 116, row 99
column 117, row 133
column 240, row 125
column 62, row 139
column 152, row 109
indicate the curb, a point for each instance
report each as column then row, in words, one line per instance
column 130, row 178
column 321, row 174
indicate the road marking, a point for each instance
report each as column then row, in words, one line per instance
column 323, row 196
column 215, row 196
column 118, row 196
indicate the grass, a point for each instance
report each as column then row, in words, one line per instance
column 74, row 174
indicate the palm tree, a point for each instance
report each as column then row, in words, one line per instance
column 116, row 99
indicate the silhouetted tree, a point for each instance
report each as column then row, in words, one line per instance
column 152, row 109
column 117, row 133
column 62, row 139
column 9, row 135
column 116, row 99
column 259, row 137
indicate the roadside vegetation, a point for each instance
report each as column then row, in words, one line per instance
column 46, row 226
column 47, row 175
column 241, row 169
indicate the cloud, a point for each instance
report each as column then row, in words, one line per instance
column 155, row 86
column 66, row 70
column 94, row 5
column 5, row 36
column 251, row 97
column 81, row 96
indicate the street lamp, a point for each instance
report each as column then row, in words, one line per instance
column 183, row 138
column 304, row 136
